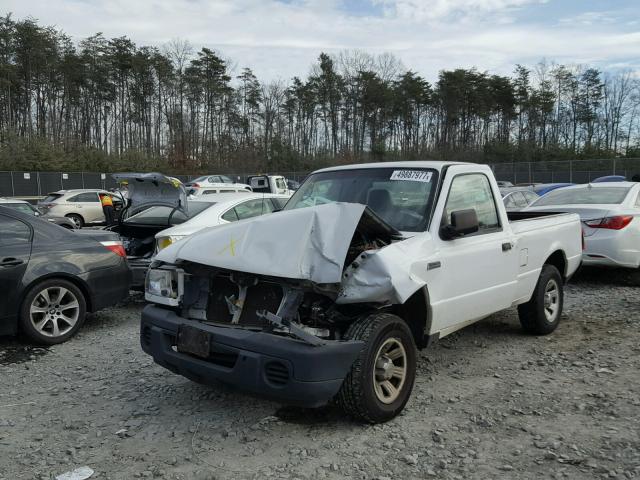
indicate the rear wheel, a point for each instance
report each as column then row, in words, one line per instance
column 52, row 311
column 76, row 219
column 381, row 379
column 541, row 314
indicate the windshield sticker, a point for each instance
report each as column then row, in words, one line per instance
column 411, row 175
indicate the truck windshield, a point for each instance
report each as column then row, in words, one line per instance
column 402, row 197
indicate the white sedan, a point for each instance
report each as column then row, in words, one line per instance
column 610, row 214
column 226, row 208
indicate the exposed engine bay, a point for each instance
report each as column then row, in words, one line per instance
column 299, row 308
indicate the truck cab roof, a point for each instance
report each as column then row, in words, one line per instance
column 435, row 164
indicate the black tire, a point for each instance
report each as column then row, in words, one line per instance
column 358, row 395
column 47, row 334
column 535, row 316
column 77, row 219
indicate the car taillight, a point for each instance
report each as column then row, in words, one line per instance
column 115, row 247
column 195, row 185
column 612, row 223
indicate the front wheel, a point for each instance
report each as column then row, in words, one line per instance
column 541, row 314
column 381, row 379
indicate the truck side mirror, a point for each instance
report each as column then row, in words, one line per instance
column 463, row 222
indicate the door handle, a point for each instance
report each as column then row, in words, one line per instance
column 506, row 246
column 11, row 262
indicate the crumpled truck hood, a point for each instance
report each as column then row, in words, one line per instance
column 306, row 244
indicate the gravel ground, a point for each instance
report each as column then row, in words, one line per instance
column 489, row 402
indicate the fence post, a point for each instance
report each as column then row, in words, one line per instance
column 570, row 171
column 529, row 163
column 13, row 188
column 38, row 182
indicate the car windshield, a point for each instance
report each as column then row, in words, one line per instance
column 159, row 215
column 583, row 196
column 199, row 179
column 402, row 197
column 22, row 207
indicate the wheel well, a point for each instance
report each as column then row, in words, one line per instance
column 69, row 278
column 558, row 260
column 417, row 313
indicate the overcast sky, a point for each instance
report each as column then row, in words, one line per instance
column 282, row 38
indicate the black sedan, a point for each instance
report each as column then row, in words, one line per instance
column 51, row 277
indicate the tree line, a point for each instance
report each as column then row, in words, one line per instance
column 109, row 104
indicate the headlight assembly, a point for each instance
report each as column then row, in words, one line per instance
column 164, row 286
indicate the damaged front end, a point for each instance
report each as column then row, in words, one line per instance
column 265, row 304
column 294, row 302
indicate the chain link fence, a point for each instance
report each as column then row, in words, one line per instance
column 33, row 185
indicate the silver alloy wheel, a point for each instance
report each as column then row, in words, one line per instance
column 54, row 311
column 76, row 221
column 389, row 370
column 551, row 300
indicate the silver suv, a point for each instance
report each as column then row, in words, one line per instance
column 82, row 206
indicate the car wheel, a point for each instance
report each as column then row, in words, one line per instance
column 52, row 311
column 381, row 379
column 541, row 314
column 76, row 219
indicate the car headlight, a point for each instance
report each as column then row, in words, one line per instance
column 164, row 285
column 164, row 242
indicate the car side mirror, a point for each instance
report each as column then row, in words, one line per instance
column 463, row 222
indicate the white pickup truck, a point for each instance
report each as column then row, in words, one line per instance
column 329, row 298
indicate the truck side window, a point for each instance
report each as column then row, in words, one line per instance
column 473, row 191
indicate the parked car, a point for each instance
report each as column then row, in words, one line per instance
column 545, row 188
column 26, row 207
column 609, row 178
column 195, row 193
column 224, row 209
column 330, row 297
column 516, row 198
column 269, row 184
column 610, row 214
column 51, row 277
column 154, row 202
column 214, row 182
column 82, row 206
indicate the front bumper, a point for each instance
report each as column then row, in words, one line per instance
column 281, row 368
